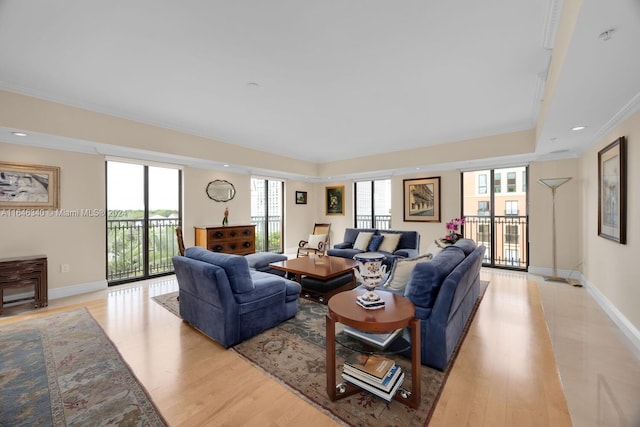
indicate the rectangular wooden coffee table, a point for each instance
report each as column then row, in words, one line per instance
column 321, row 276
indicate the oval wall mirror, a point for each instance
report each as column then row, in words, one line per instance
column 221, row 190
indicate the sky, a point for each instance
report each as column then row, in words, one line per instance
column 125, row 187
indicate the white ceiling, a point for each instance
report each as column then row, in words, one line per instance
column 329, row 80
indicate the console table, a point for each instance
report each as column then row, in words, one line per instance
column 25, row 271
column 398, row 312
column 230, row 239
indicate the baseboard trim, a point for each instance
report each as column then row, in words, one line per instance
column 628, row 329
column 82, row 288
column 67, row 291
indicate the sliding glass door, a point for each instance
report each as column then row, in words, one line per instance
column 144, row 208
column 266, row 214
column 495, row 211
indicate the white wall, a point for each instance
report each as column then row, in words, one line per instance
column 609, row 267
column 77, row 241
column 568, row 218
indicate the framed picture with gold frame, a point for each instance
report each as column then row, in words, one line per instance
column 421, row 199
column 29, row 186
column 334, row 200
column 612, row 191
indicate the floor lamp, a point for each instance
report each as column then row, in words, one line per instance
column 553, row 184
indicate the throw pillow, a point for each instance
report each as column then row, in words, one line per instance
column 390, row 242
column 362, row 241
column 434, row 249
column 401, row 271
column 316, row 239
column 375, row 242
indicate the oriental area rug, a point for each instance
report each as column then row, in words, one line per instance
column 62, row 370
column 293, row 353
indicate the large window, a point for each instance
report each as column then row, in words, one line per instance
column 498, row 219
column 373, row 204
column 143, row 204
column 266, row 214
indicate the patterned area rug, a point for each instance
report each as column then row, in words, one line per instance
column 294, row 353
column 62, row 370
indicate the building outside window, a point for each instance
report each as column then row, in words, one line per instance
column 511, row 234
column 511, row 257
column 482, row 184
column 511, row 182
column 511, row 207
column 497, row 183
column 483, row 208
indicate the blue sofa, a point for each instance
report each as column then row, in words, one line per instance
column 444, row 291
column 223, row 298
column 408, row 245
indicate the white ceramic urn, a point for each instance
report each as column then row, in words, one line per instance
column 370, row 272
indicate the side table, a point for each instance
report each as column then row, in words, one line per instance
column 398, row 312
column 25, row 271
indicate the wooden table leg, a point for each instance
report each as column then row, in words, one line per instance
column 414, row 402
column 331, row 356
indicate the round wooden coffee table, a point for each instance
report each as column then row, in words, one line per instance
column 398, row 312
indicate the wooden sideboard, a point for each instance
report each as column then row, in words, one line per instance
column 25, row 271
column 230, row 239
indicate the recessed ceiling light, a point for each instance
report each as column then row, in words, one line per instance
column 578, row 128
column 226, row 166
column 19, row 133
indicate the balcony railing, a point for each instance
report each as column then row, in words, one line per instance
column 381, row 222
column 275, row 233
column 509, row 245
column 125, row 248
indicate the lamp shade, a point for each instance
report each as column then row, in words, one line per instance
column 553, row 183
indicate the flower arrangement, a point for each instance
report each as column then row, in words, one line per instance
column 453, row 227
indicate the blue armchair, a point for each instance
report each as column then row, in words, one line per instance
column 225, row 300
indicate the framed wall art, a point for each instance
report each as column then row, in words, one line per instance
column 612, row 191
column 334, row 200
column 421, row 199
column 29, row 186
column 301, row 197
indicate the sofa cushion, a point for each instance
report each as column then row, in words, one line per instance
column 390, row 242
column 351, row 234
column 374, row 243
column 235, row 266
column 344, row 253
column 467, row 245
column 362, row 241
column 260, row 260
column 427, row 277
column 401, row 271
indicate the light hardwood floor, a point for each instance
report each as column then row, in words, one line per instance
column 505, row 375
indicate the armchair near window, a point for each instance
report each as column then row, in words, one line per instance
column 317, row 242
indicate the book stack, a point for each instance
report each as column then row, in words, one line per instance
column 376, row 374
column 380, row 340
column 369, row 305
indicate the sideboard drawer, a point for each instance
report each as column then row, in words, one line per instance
column 238, row 239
